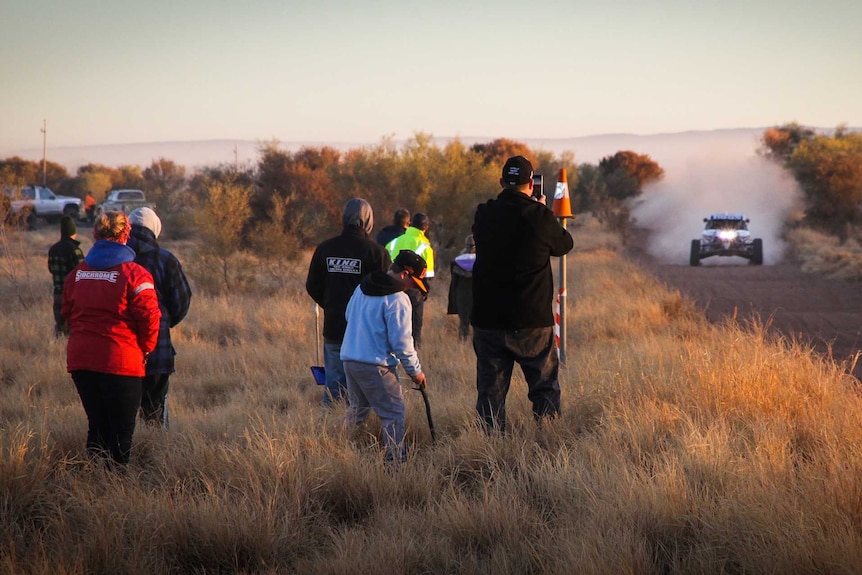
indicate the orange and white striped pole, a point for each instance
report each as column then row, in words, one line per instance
column 563, row 210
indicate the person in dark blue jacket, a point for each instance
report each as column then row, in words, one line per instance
column 175, row 294
column 513, row 293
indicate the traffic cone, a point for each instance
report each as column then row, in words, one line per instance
column 562, row 204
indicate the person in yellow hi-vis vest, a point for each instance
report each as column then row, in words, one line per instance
column 415, row 240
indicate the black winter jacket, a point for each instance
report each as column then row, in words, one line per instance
column 336, row 268
column 513, row 284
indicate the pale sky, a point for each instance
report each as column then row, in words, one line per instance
column 105, row 72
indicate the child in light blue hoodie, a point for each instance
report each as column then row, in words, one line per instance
column 379, row 335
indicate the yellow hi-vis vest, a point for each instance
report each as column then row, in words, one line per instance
column 414, row 239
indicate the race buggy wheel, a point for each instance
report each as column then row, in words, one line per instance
column 695, row 253
column 757, row 252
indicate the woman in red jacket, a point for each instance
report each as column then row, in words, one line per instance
column 113, row 313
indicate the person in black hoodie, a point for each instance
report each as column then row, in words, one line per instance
column 337, row 267
column 513, row 292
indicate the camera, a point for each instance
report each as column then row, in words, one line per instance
column 538, row 187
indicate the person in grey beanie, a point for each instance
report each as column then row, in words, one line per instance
column 337, row 266
column 174, row 294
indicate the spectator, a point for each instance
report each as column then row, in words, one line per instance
column 175, row 296
column 90, row 207
column 392, row 231
column 378, row 338
column 513, row 291
column 63, row 256
column 415, row 240
column 113, row 313
column 461, row 287
column 336, row 268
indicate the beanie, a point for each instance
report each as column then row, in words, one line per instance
column 147, row 218
column 67, row 227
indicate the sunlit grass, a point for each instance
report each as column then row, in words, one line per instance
column 684, row 447
column 826, row 254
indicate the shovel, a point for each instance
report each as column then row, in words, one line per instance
column 318, row 371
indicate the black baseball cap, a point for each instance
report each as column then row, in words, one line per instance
column 517, row 171
column 415, row 265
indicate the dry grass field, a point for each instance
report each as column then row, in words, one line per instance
column 683, row 447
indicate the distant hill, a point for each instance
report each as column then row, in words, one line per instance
column 664, row 148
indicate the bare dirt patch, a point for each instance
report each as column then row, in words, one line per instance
column 825, row 313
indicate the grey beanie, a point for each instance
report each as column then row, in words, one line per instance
column 357, row 212
column 147, row 218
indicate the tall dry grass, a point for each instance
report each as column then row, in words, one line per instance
column 826, row 254
column 684, row 448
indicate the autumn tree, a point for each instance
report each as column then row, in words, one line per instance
column 221, row 214
column 447, row 185
column 829, row 171
column 626, row 173
column 372, row 174
column 28, row 172
column 496, row 152
column 303, row 180
column 779, row 143
column 164, row 182
column 99, row 179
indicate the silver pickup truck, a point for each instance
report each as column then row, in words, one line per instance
column 124, row 201
column 31, row 202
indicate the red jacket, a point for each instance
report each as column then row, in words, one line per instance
column 113, row 315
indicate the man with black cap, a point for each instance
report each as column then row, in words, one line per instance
column 336, row 268
column 62, row 258
column 513, row 292
column 377, row 338
column 415, row 240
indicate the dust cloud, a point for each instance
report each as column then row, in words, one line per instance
column 694, row 187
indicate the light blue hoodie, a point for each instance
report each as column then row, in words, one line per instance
column 379, row 325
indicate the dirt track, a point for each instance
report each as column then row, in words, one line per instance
column 827, row 313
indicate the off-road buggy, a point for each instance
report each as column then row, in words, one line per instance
column 726, row 235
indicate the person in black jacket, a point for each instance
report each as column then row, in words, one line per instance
column 395, row 229
column 513, row 292
column 336, row 268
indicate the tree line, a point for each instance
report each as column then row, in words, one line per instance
column 299, row 195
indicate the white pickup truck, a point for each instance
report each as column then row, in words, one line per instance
column 40, row 202
column 124, row 201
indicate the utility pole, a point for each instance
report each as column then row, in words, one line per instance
column 44, row 152
column 235, row 159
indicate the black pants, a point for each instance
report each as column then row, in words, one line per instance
column 154, row 399
column 417, row 300
column 60, row 325
column 111, row 403
column 496, row 354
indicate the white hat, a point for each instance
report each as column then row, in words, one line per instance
column 147, row 218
